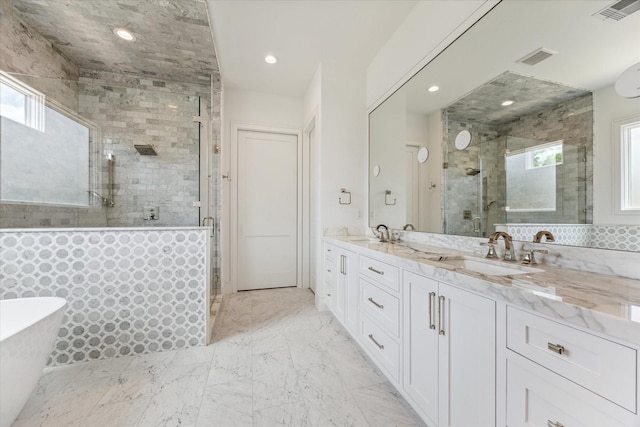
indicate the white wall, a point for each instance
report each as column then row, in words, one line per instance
column 427, row 30
column 262, row 109
column 254, row 108
column 607, row 108
column 343, row 145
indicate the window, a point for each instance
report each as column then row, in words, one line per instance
column 46, row 150
column 544, row 155
column 21, row 103
column 630, row 165
column 530, row 179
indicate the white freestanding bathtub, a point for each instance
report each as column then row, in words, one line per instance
column 28, row 329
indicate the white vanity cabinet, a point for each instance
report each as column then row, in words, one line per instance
column 449, row 353
column 341, row 285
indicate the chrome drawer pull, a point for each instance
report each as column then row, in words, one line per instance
column 380, row 306
column 432, row 321
column 328, row 295
column 441, row 314
column 556, row 348
column 377, row 271
column 380, row 346
column 554, row 424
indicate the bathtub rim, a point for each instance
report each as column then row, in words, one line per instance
column 55, row 304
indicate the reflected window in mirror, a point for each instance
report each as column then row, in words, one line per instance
column 630, row 165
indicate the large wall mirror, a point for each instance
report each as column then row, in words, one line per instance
column 524, row 128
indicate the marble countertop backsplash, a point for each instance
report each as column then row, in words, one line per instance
column 600, row 301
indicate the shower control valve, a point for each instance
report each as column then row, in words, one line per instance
column 151, row 213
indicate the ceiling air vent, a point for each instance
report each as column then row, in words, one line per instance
column 618, row 10
column 537, row 56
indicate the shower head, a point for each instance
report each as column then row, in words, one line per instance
column 145, row 150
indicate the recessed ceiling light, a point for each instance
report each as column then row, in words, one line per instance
column 124, row 34
column 507, row 103
column 270, row 59
column 433, row 88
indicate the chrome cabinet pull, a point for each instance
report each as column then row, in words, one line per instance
column 556, row 348
column 441, row 314
column 380, row 346
column 377, row 271
column 432, row 321
column 343, row 260
column 554, row 424
column 380, row 306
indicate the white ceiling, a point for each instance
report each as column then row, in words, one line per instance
column 301, row 34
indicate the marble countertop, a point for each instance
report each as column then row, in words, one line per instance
column 602, row 303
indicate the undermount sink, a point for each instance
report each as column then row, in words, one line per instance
column 486, row 266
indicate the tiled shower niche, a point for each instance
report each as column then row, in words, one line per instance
column 128, row 291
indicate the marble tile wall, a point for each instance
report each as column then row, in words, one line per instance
column 25, row 51
column 129, row 291
column 572, row 122
column 147, row 112
column 466, row 188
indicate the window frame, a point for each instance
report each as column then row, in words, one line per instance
column 621, row 168
column 35, row 101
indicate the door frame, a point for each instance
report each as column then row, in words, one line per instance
column 310, row 156
column 236, row 127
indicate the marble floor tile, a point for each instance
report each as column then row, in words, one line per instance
column 354, row 368
column 229, row 404
column 193, row 356
column 275, row 361
column 382, row 407
column 291, row 414
column 177, row 401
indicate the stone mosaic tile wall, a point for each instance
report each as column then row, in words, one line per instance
column 617, row 237
column 565, row 234
column 128, row 291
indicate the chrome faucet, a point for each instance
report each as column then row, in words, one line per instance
column 509, row 252
column 409, row 227
column 382, row 233
column 544, row 233
column 529, row 255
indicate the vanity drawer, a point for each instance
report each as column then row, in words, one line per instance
column 381, row 306
column 330, row 270
column 602, row 366
column 538, row 397
column 330, row 252
column 381, row 272
column 382, row 348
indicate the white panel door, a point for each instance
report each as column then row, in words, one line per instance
column 267, row 210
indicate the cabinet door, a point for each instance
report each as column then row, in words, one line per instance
column 341, row 286
column 351, row 291
column 421, row 344
column 467, row 355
